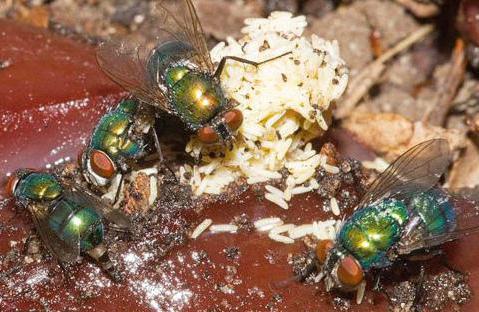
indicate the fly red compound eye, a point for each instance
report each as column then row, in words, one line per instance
column 11, row 184
column 350, row 272
column 101, row 164
column 233, row 118
column 322, row 249
column 208, row 135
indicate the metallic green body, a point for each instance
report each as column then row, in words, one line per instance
column 166, row 54
column 39, row 187
column 111, row 135
column 197, row 98
column 75, row 222
column 436, row 212
column 193, row 95
column 72, row 221
column 175, row 74
column 370, row 232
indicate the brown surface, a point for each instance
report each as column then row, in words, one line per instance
column 51, row 95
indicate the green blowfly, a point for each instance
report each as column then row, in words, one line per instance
column 176, row 74
column 120, row 139
column 68, row 219
column 403, row 213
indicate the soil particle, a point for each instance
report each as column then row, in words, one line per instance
column 304, row 265
column 282, row 5
column 446, row 288
column 435, row 293
column 341, row 304
column 276, row 300
column 243, row 223
column 232, row 253
column 137, row 193
column 5, row 64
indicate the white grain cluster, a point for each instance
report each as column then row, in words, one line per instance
column 286, row 103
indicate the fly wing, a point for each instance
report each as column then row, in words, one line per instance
column 66, row 250
column 466, row 221
column 81, row 195
column 126, row 64
column 179, row 21
column 415, row 171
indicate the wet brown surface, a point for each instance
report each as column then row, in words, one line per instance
column 51, row 94
column 243, row 272
column 246, row 271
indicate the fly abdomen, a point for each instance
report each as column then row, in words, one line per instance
column 75, row 224
column 435, row 211
column 100, row 254
column 372, row 231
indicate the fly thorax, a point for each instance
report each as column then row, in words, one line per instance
column 197, row 98
column 175, row 74
column 38, row 186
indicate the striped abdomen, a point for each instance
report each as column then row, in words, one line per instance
column 73, row 222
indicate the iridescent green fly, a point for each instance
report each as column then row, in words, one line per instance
column 177, row 74
column 69, row 220
column 403, row 213
column 118, row 141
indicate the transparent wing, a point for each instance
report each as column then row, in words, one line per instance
column 466, row 222
column 414, row 172
column 178, row 20
column 80, row 194
column 126, row 63
column 65, row 250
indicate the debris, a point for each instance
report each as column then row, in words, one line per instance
column 419, row 9
column 369, row 76
column 448, row 87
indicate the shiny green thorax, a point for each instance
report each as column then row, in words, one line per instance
column 373, row 230
column 196, row 96
column 69, row 219
column 38, row 186
column 112, row 135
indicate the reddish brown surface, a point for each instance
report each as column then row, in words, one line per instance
column 51, row 95
column 175, row 282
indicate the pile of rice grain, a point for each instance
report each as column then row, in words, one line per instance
column 286, row 103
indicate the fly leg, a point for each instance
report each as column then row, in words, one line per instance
column 66, row 273
column 222, row 63
column 163, row 165
column 118, row 190
column 419, row 295
column 379, row 287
